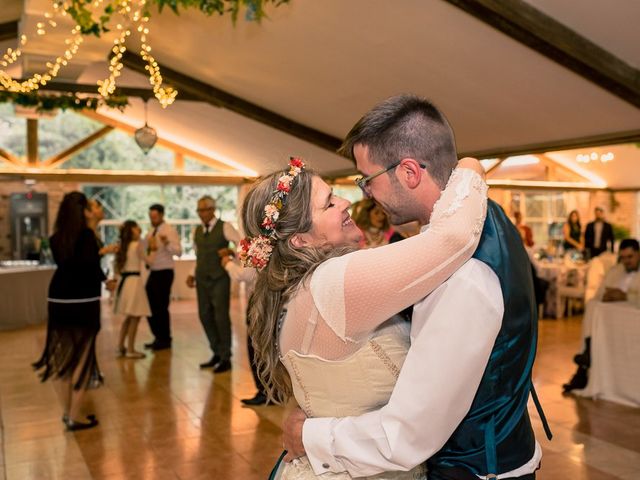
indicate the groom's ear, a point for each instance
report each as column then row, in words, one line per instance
column 410, row 172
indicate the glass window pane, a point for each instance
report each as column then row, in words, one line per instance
column 13, row 131
column 123, row 202
column 57, row 133
column 191, row 165
column 119, row 151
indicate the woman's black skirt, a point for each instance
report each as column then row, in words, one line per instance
column 70, row 349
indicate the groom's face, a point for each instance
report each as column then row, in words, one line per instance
column 385, row 189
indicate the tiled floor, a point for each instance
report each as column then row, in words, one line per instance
column 163, row 418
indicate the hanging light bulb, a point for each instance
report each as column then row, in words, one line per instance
column 146, row 137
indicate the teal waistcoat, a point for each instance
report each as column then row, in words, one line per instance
column 208, row 261
column 496, row 435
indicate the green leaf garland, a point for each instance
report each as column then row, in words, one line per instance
column 82, row 14
column 64, row 101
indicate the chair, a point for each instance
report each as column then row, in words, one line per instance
column 571, row 288
column 598, row 267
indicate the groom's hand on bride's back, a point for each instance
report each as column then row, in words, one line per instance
column 292, row 435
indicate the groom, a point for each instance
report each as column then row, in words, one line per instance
column 460, row 401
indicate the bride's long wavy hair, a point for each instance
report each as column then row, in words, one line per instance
column 287, row 268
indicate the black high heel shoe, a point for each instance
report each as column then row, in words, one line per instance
column 73, row 426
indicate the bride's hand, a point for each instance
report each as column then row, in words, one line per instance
column 473, row 164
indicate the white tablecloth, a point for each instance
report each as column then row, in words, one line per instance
column 615, row 353
column 559, row 273
column 23, row 296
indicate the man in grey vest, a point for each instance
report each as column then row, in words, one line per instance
column 212, row 282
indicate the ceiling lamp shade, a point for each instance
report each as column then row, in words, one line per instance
column 146, row 137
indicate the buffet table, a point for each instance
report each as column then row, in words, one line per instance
column 615, row 353
column 23, row 295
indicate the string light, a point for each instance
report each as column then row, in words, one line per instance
column 594, row 157
column 130, row 16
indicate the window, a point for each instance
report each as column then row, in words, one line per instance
column 124, row 202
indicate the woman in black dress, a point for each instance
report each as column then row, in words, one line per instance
column 572, row 232
column 74, row 310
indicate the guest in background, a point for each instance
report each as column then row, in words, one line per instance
column 525, row 230
column 212, row 283
column 131, row 298
column 97, row 215
column 406, row 230
column 164, row 242
column 373, row 222
column 598, row 236
column 74, row 310
column 247, row 275
column 572, row 231
column 619, row 282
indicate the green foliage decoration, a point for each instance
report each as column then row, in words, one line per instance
column 64, row 101
column 620, row 232
column 82, row 13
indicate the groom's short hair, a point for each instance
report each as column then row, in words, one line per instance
column 406, row 126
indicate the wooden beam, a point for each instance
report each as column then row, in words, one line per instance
column 212, row 162
column 68, row 87
column 123, row 176
column 493, row 167
column 543, row 185
column 66, row 154
column 566, row 144
column 524, row 23
column 10, row 157
column 220, row 98
column 8, row 31
column 32, row 141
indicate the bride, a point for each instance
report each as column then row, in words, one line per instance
column 322, row 314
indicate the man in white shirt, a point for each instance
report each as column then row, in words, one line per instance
column 620, row 282
column 458, row 333
column 211, row 240
column 163, row 240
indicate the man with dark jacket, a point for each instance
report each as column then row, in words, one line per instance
column 599, row 235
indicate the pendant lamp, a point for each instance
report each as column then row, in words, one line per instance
column 146, row 137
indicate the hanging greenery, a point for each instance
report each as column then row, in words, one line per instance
column 65, row 101
column 82, row 10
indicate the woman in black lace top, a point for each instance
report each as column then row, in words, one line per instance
column 74, row 310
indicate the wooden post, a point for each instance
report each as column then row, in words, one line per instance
column 32, row 142
column 178, row 161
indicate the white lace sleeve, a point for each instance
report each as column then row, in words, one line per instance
column 357, row 292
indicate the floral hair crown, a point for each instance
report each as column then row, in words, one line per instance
column 256, row 251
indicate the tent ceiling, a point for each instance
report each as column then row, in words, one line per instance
column 323, row 64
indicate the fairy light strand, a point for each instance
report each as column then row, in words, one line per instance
column 131, row 18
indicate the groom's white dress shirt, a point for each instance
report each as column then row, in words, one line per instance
column 452, row 334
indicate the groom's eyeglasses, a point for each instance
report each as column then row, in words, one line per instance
column 363, row 182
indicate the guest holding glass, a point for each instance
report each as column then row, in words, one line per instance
column 164, row 241
column 74, row 310
column 572, row 232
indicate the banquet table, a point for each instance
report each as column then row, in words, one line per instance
column 23, row 295
column 615, row 353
